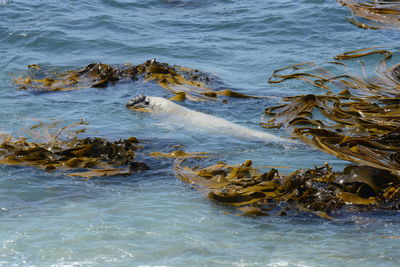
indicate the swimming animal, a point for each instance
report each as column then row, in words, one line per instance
column 201, row 120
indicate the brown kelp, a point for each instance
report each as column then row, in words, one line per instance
column 376, row 14
column 183, row 82
column 93, row 75
column 320, row 190
column 357, row 119
column 46, row 146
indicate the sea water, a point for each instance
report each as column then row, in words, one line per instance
column 152, row 218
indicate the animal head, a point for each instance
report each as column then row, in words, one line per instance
column 154, row 104
column 139, row 102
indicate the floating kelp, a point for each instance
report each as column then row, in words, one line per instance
column 376, row 14
column 320, row 190
column 385, row 81
column 93, row 75
column 86, row 157
column 184, row 82
column 358, row 119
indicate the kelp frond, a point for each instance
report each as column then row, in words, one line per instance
column 376, row 14
column 358, row 119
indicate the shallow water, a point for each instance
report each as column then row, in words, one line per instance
column 152, row 218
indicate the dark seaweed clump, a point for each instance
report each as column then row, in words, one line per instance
column 320, row 190
column 183, row 82
column 87, row 157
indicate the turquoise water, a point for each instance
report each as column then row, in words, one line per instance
column 152, row 218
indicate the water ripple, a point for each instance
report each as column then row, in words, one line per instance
column 151, row 218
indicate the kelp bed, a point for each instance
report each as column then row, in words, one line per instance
column 43, row 147
column 375, row 14
column 320, row 190
column 183, row 82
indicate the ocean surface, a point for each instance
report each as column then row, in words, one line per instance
column 152, row 218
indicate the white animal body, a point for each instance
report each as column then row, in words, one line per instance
column 202, row 120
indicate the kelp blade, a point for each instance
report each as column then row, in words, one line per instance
column 374, row 14
column 358, row 117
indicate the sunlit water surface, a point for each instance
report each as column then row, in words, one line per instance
column 152, row 218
